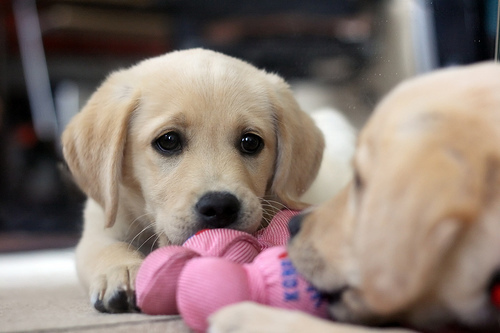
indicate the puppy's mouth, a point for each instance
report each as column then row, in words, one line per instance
column 222, row 209
column 211, row 210
column 333, row 297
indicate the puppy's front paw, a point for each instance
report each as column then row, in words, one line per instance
column 114, row 290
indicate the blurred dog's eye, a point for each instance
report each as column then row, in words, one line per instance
column 168, row 143
column 251, row 144
column 358, row 182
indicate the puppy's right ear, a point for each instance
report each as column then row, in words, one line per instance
column 300, row 147
column 94, row 141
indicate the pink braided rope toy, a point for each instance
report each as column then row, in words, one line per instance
column 219, row 267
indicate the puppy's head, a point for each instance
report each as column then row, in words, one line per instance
column 191, row 140
column 415, row 237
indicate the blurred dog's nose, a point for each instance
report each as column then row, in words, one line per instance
column 218, row 209
column 295, row 224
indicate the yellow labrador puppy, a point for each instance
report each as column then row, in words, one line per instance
column 189, row 140
column 414, row 239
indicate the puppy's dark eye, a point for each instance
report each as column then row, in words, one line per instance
column 168, row 143
column 251, row 144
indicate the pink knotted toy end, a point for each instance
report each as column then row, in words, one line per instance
column 156, row 281
column 207, row 284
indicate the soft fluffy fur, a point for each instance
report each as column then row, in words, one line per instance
column 415, row 237
column 141, row 197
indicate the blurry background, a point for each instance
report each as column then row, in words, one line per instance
column 343, row 54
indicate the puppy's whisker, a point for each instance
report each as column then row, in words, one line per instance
column 138, row 220
column 155, row 241
column 272, row 206
column 147, row 240
column 147, row 228
column 270, row 210
column 268, row 204
column 276, row 204
column 272, row 202
column 266, row 222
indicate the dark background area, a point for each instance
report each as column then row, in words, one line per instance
column 84, row 40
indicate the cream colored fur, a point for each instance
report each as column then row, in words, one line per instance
column 140, row 198
column 415, row 237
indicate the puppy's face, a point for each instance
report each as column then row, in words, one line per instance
column 415, row 237
column 191, row 140
column 203, row 155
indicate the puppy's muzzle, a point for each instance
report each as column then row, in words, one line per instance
column 218, row 209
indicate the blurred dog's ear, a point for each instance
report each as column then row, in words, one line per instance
column 299, row 149
column 94, row 141
column 415, row 226
column 387, row 292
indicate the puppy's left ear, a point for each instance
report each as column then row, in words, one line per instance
column 300, row 147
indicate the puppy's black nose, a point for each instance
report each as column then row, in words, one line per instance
column 295, row 224
column 218, row 209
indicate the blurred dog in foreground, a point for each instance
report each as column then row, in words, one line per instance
column 414, row 239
